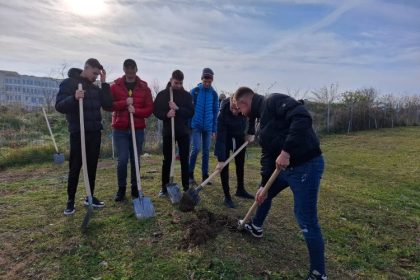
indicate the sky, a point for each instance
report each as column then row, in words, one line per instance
column 287, row 46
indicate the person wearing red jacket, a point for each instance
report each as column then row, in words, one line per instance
column 130, row 95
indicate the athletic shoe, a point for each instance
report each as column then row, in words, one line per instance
column 70, row 208
column 163, row 193
column 95, row 202
column 254, row 230
column 315, row 275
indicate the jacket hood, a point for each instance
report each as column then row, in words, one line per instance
column 74, row 72
column 257, row 105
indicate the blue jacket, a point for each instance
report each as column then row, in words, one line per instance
column 206, row 104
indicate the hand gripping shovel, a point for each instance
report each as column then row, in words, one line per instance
column 191, row 198
column 172, row 188
column 89, row 212
column 241, row 223
column 143, row 207
column 58, row 157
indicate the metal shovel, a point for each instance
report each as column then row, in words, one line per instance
column 58, row 157
column 191, row 197
column 173, row 189
column 143, row 206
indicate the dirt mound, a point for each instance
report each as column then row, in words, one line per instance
column 204, row 227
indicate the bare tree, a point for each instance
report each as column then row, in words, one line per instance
column 327, row 95
column 57, row 75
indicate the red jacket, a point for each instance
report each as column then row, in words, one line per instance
column 142, row 101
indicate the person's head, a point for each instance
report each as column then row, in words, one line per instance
column 207, row 77
column 233, row 107
column 130, row 69
column 222, row 97
column 177, row 79
column 92, row 69
column 243, row 100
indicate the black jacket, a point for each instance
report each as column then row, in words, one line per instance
column 95, row 98
column 285, row 124
column 183, row 100
column 230, row 126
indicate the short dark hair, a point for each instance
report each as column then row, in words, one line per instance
column 129, row 63
column 178, row 75
column 93, row 62
column 241, row 92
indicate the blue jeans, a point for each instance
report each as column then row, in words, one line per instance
column 198, row 138
column 304, row 181
column 124, row 146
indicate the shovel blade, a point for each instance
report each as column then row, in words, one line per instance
column 143, row 208
column 87, row 217
column 174, row 193
column 189, row 200
column 58, row 158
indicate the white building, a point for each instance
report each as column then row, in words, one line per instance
column 28, row 91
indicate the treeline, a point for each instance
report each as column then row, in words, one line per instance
column 361, row 109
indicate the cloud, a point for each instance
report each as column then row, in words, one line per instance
column 242, row 41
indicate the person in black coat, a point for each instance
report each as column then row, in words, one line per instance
column 233, row 130
column 67, row 102
column 182, row 110
column 289, row 144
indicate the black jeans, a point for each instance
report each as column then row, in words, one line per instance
column 184, row 151
column 239, row 163
column 93, row 146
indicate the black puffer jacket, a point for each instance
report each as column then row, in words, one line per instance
column 230, row 126
column 285, row 124
column 95, row 98
column 183, row 116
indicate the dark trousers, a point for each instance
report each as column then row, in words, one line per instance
column 239, row 164
column 184, row 149
column 93, row 146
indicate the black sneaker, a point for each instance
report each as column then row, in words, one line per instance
column 254, row 230
column 134, row 192
column 163, row 193
column 95, row 202
column 244, row 194
column 120, row 195
column 205, row 178
column 70, row 208
column 228, row 203
column 315, row 275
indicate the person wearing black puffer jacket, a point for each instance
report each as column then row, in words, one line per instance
column 182, row 109
column 233, row 130
column 289, row 144
column 67, row 102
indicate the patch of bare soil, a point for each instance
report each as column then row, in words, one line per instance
column 204, row 227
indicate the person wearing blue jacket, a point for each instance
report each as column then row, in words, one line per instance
column 203, row 123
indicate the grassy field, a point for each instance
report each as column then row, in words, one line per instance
column 369, row 210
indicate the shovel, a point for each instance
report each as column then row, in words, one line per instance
column 241, row 223
column 58, row 157
column 191, row 197
column 172, row 188
column 89, row 212
column 143, row 207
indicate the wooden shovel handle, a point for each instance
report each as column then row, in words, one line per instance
column 171, row 174
column 263, row 193
column 217, row 171
column 49, row 128
column 83, row 145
